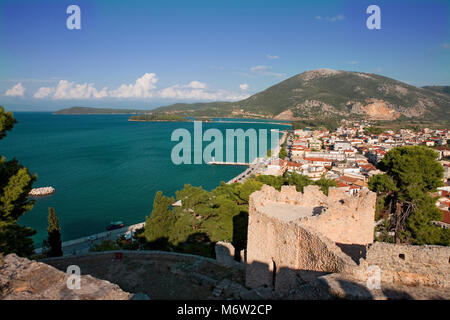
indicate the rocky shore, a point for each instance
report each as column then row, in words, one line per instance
column 41, row 191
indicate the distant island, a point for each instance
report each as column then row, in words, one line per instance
column 159, row 117
column 88, row 110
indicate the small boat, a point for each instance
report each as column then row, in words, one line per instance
column 115, row 225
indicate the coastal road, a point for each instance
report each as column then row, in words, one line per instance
column 82, row 245
column 259, row 164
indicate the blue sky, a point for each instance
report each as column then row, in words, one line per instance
column 143, row 54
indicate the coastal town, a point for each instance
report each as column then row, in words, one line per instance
column 349, row 156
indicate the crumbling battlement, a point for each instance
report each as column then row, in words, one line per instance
column 410, row 265
column 295, row 238
column 341, row 217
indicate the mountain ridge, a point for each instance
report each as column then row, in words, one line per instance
column 327, row 93
column 332, row 94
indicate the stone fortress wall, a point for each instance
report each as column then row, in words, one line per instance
column 410, row 265
column 300, row 246
column 296, row 237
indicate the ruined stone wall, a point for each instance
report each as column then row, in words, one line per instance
column 297, row 237
column 346, row 219
column 341, row 217
column 410, row 265
column 225, row 253
column 286, row 245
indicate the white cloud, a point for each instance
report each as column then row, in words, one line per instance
column 272, row 57
column 140, row 89
column 43, row 92
column 66, row 90
column 196, row 85
column 144, row 87
column 339, row 17
column 71, row 90
column 335, row 18
column 17, row 91
column 265, row 71
column 243, row 86
column 196, row 90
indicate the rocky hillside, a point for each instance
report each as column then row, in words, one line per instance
column 23, row 279
column 332, row 94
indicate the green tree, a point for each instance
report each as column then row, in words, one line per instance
column 274, row 181
column 246, row 188
column 325, row 184
column 105, row 245
column 298, row 180
column 15, row 184
column 411, row 174
column 53, row 244
column 283, row 153
column 161, row 221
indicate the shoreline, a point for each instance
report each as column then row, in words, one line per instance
column 217, row 121
column 138, row 120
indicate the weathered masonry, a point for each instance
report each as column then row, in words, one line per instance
column 295, row 237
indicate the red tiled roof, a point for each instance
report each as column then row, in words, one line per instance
column 294, row 164
column 318, row 159
column 446, row 217
column 367, row 167
column 341, row 184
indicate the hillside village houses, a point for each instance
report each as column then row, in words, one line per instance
column 349, row 156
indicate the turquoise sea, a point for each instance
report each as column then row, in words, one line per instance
column 104, row 168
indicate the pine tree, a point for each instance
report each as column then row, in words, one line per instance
column 412, row 173
column 15, row 184
column 54, row 234
column 53, row 244
column 158, row 226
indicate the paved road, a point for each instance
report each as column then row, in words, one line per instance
column 258, row 164
column 82, row 245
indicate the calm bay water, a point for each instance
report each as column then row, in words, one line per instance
column 103, row 167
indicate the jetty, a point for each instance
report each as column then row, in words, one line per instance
column 44, row 191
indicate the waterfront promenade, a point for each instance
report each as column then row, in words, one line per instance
column 258, row 165
column 82, row 245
